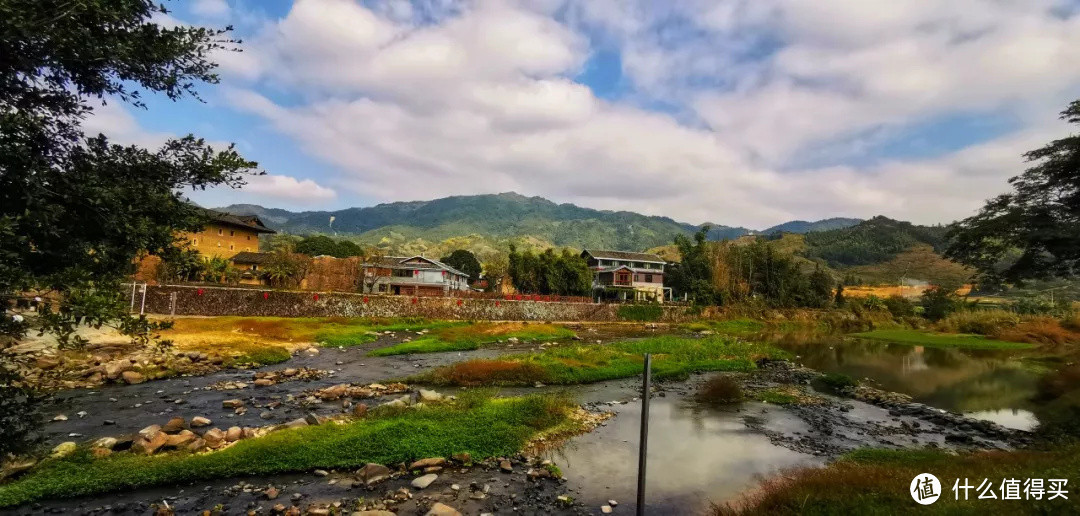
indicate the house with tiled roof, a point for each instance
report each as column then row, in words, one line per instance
column 225, row 235
column 412, row 275
column 627, row 276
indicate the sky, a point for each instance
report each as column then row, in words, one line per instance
column 737, row 112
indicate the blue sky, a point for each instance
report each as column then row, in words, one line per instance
column 735, row 112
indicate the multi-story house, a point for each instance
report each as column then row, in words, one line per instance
column 626, row 276
column 417, row 275
column 226, row 235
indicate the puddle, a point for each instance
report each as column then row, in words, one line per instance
column 697, row 456
column 983, row 384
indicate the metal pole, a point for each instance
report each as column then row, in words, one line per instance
column 142, row 307
column 644, row 441
column 132, row 295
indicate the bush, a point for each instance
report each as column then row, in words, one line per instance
column 982, row 322
column 720, row 390
column 491, row 372
column 899, row 306
column 640, row 312
column 939, row 301
column 835, row 382
column 1038, row 330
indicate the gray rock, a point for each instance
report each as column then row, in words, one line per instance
column 424, row 481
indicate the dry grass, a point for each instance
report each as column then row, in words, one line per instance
column 876, row 482
column 1039, row 330
column 490, row 372
column 720, row 390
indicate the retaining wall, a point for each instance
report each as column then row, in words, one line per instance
column 216, row 301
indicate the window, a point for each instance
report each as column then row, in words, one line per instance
column 230, row 247
column 249, row 237
column 403, row 273
column 194, row 241
column 648, row 278
column 219, row 232
column 254, row 267
column 231, row 232
column 637, row 277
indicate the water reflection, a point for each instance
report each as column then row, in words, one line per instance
column 697, row 455
column 978, row 382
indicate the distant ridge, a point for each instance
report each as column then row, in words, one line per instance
column 501, row 216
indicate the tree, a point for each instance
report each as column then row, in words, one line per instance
column 693, row 275
column 74, row 210
column 464, row 261
column 286, row 269
column 322, row 245
column 1032, row 231
column 939, row 301
column 495, row 271
column 821, row 288
column 838, row 299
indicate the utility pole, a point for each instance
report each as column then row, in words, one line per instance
column 643, row 444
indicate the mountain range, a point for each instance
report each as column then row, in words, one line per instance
column 504, row 216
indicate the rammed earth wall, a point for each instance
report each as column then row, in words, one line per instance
column 191, row 300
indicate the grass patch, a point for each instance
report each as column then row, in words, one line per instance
column 876, row 481
column 940, row 340
column 241, row 351
column 673, row 357
column 719, row 390
column 640, row 312
column 477, row 424
column 466, row 337
column 780, row 396
column 210, row 332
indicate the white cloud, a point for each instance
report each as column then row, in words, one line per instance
column 424, row 100
column 210, row 8
column 288, row 188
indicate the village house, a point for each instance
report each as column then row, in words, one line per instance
column 416, row 275
column 626, row 276
column 226, row 235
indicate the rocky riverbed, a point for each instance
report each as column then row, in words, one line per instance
column 698, row 454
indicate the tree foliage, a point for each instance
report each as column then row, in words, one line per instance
column 871, row 241
column 464, row 261
column 564, row 274
column 1034, row 231
column 75, row 210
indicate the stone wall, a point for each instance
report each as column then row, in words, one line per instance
column 211, row 301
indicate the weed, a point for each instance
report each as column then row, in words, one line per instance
column 834, row 382
column 719, row 390
column 474, row 336
column 640, row 312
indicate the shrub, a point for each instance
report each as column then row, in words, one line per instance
column 939, row 301
column 899, row 306
column 719, row 390
column 1038, row 330
column 640, row 312
column 1071, row 321
column 834, row 382
column 982, row 322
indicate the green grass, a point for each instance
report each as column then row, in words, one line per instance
column 940, row 340
column 640, row 312
column 876, row 481
column 480, row 426
column 264, row 355
column 729, row 327
column 363, row 331
column 474, row 336
column 673, row 357
column 778, row 396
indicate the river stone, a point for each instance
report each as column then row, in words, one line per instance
column 181, row 439
column 199, row 421
column 149, row 432
column 506, row 466
column 441, row 509
column 373, row 473
column 106, row 442
column 374, row 513
column 233, row 403
column 234, row 434
column 606, row 509
column 214, row 437
column 132, row 377
column 429, row 396
column 149, row 446
column 64, row 449
column 427, row 463
column 174, row 425
column 424, row 481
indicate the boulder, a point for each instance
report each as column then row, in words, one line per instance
column 373, row 473
column 214, row 437
column 234, row 434
column 132, row 377
column 182, row 439
column 264, row 382
column 199, row 421
column 506, row 466
column 428, row 396
column 151, row 446
column 427, row 463
column 105, row 442
column 296, row 423
column 47, row 362
column 233, row 403
column 197, row 445
column 64, row 449
column 149, row 432
column 424, row 481
column 441, row 509
column 312, row 419
column 174, row 425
